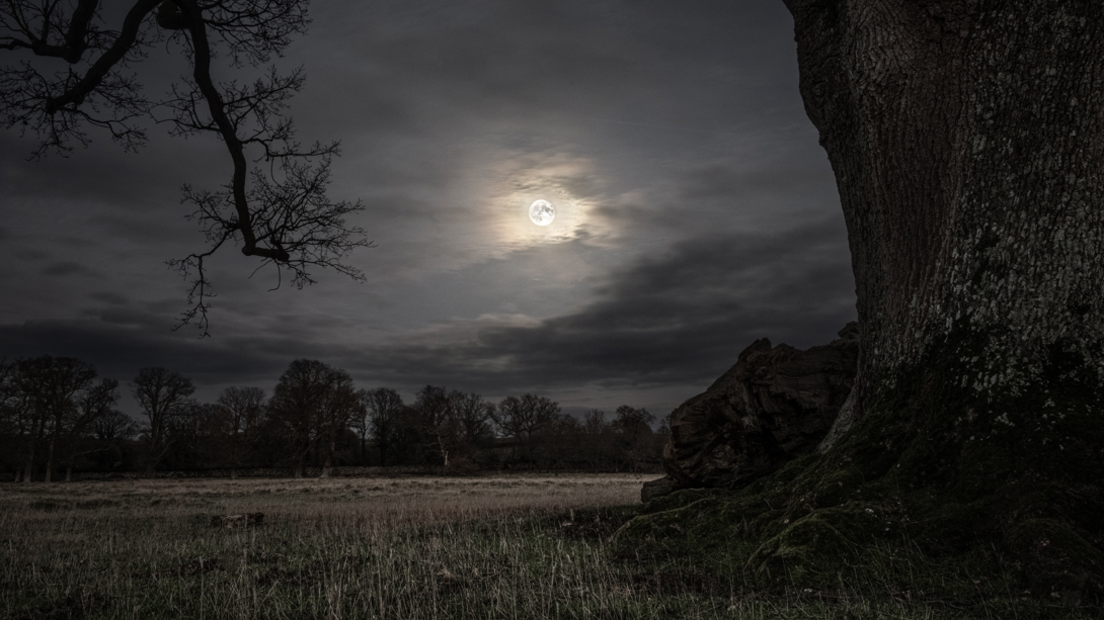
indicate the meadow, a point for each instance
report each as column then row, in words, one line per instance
column 403, row 548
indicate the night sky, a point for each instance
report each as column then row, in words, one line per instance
column 695, row 210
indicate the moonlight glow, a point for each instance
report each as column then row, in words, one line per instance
column 542, row 213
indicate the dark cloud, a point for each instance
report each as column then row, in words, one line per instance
column 30, row 254
column 122, row 343
column 67, row 268
column 723, row 180
column 106, row 297
column 105, row 174
column 676, row 319
column 710, row 217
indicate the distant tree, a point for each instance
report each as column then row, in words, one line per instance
column 164, row 398
column 473, row 426
column 474, row 414
column 664, row 425
column 380, row 420
column 75, row 71
column 598, row 439
column 59, row 397
column 312, row 405
column 632, row 420
column 594, row 421
column 272, row 446
column 111, row 434
column 340, row 407
column 361, row 426
column 410, row 444
column 11, row 415
column 634, row 431
column 453, row 426
column 438, row 422
column 558, row 442
column 203, row 438
column 245, row 406
column 114, row 426
column 95, row 403
column 523, row 419
column 293, row 407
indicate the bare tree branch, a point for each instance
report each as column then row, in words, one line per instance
column 284, row 216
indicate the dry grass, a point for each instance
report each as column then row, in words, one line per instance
column 409, row 548
column 365, row 502
column 403, row 548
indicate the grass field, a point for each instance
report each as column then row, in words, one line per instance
column 404, row 548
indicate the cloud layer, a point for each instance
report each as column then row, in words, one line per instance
column 695, row 210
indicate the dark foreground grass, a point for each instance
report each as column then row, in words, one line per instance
column 413, row 548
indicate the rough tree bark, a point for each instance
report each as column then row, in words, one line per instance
column 967, row 140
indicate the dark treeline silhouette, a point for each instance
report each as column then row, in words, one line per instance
column 57, row 414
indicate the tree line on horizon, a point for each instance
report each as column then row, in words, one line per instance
column 57, row 413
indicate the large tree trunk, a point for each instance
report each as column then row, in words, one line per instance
column 967, row 140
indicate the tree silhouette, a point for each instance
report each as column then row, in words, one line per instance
column 473, row 417
column 114, row 426
column 380, row 419
column 245, row 406
column 523, row 418
column 94, row 404
column 73, row 72
column 110, row 434
column 55, row 399
column 164, row 398
column 634, row 431
column 437, row 422
column 313, row 403
column 598, row 437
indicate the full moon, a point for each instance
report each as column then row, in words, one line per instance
column 542, row 213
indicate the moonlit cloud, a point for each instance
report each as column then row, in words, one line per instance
column 570, row 183
column 695, row 210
